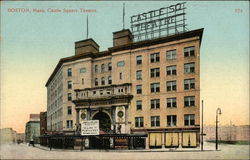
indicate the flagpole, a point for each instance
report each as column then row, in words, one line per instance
column 123, row 15
column 87, row 27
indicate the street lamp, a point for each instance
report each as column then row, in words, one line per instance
column 218, row 111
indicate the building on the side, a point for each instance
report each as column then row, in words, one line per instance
column 149, row 87
column 230, row 133
column 43, row 128
column 43, row 123
column 8, row 135
column 34, row 117
column 32, row 128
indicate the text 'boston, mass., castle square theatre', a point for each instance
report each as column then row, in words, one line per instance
column 141, row 86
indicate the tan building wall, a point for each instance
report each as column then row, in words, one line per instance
column 127, row 75
column 79, row 80
column 55, row 102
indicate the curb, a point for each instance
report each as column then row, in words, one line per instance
column 102, row 150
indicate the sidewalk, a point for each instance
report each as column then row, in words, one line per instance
column 131, row 150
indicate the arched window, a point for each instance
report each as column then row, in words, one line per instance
column 96, row 82
column 103, row 81
column 109, row 80
column 96, row 68
column 110, row 66
column 102, row 68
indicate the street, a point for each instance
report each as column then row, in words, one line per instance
column 23, row 151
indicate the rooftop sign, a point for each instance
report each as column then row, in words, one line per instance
column 156, row 23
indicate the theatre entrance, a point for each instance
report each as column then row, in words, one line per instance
column 104, row 122
column 97, row 142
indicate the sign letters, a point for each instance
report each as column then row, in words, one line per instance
column 157, row 23
column 90, row 127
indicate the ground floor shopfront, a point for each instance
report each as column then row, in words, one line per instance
column 173, row 139
column 136, row 140
column 104, row 141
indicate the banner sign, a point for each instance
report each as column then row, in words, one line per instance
column 157, row 23
column 90, row 127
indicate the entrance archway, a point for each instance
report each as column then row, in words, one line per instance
column 104, row 121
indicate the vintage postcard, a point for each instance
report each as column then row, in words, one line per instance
column 124, row 80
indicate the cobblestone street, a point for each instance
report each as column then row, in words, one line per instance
column 23, row 151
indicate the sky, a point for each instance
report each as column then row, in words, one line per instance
column 32, row 44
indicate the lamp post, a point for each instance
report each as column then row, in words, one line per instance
column 218, row 111
column 202, row 134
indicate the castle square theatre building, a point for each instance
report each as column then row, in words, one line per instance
column 150, row 87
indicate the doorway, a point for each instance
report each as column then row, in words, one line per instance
column 104, row 122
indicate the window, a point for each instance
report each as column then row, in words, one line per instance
column 120, row 64
column 120, row 90
column 139, row 60
column 120, row 76
column 189, row 51
column 69, row 84
column 171, row 70
column 101, row 92
column 69, row 110
column 110, row 66
column 69, row 72
column 155, row 57
column 171, row 85
column 69, row 124
column 139, row 75
column 82, row 80
column 155, row 72
column 102, row 68
column 171, row 120
column 139, row 89
column 171, row 102
column 189, row 68
column 69, row 96
column 96, row 68
column 109, row 80
column 103, row 81
column 189, row 84
column 171, row 54
column 155, row 121
column 155, row 103
column 138, row 122
column 108, row 92
column 82, row 70
column 189, row 101
column 155, row 87
column 138, row 105
column 96, row 82
column 189, row 119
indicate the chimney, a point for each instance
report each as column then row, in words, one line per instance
column 86, row 46
column 122, row 37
